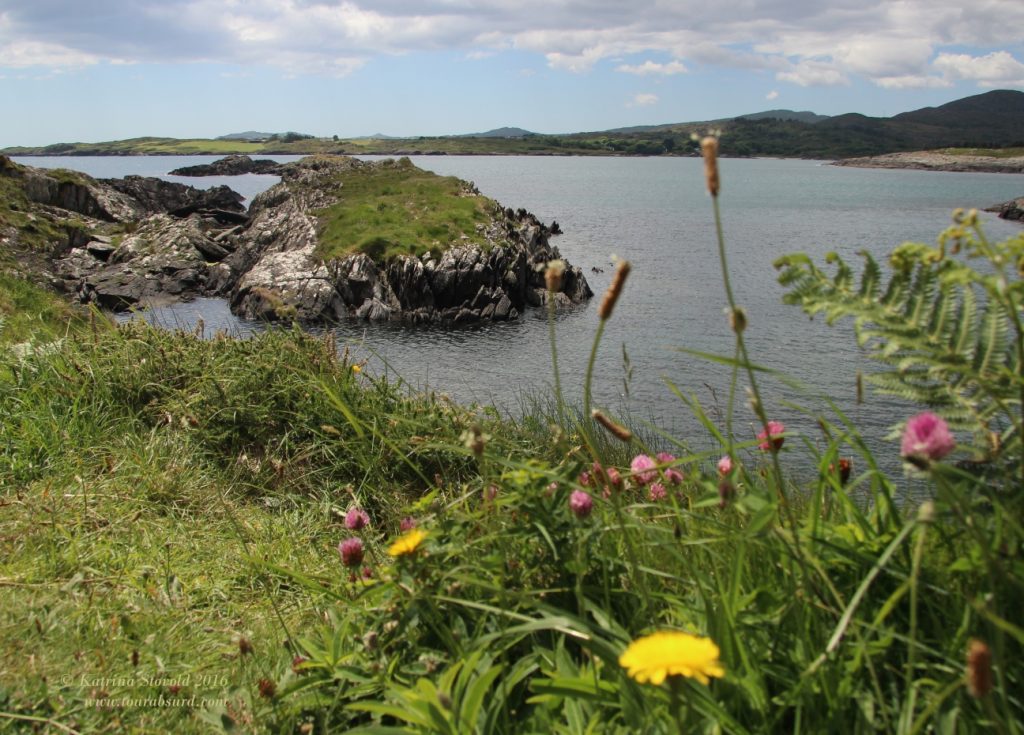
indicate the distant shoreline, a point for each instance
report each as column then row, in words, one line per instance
column 939, row 161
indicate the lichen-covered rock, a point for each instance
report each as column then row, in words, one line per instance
column 162, row 260
column 468, row 282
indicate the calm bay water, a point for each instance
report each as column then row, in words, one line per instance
column 655, row 213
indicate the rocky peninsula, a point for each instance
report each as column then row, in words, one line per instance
column 939, row 161
column 122, row 243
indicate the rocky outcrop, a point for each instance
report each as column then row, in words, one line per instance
column 144, row 241
column 231, row 166
column 276, row 273
column 1011, row 210
column 166, row 258
column 156, row 196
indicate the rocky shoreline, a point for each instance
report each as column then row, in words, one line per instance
column 140, row 241
column 938, row 161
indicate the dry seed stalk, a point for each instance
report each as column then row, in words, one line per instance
column 611, row 296
column 618, row 430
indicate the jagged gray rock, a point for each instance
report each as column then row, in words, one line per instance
column 174, row 242
column 466, row 283
column 235, row 165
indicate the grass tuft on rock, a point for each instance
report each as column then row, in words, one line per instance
column 393, row 208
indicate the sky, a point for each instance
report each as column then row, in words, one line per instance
column 97, row 70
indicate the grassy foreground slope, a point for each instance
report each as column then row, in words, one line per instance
column 258, row 536
column 147, row 477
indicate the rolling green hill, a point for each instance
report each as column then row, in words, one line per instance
column 991, row 120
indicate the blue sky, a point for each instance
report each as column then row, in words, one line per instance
column 93, row 70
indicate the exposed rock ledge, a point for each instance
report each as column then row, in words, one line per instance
column 1011, row 210
column 939, row 161
column 232, row 166
column 142, row 241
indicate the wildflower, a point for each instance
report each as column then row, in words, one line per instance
column 672, row 475
column 407, row 524
column 926, row 439
column 490, row 493
column 670, row 653
column 644, row 469
column 267, row 688
column 979, row 668
column 725, row 465
column 845, row 466
column 297, row 663
column 356, row 369
column 656, row 492
column 614, row 478
column 356, row 519
column 580, row 503
column 551, row 489
column 367, row 573
column 407, row 543
column 351, row 550
column 245, row 646
column 771, row 436
column 585, row 479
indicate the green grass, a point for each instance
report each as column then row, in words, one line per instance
column 394, row 208
column 170, row 508
column 145, row 537
column 29, row 312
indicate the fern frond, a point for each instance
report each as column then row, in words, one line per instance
column 941, row 328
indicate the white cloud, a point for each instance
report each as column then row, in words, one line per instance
column 652, row 67
column 643, row 99
column 912, row 81
column 883, row 56
column 813, row 74
column 24, row 54
column 895, row 44
column 774, row 94
column 994, row 70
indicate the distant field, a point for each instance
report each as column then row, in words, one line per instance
column 992, row 152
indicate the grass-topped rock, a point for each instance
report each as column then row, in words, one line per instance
column 386, row 240
column 337, row 237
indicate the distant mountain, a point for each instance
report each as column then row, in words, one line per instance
column 804, row 116
column 499, row 133
column 1000, row 113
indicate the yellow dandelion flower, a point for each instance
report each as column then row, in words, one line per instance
column 407, row 543
column 357, row 369
column 668, row 653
